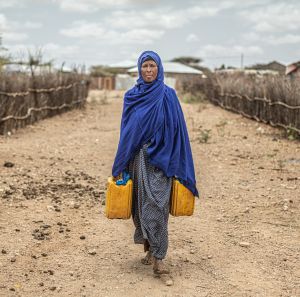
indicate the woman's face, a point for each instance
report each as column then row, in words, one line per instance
column 149, row 71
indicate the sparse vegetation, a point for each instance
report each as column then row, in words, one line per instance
column 221, row 127
column 192, row 98
column 291, row 134
column 204, row 135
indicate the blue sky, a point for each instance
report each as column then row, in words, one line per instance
column 94, row 32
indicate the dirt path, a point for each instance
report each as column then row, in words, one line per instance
column 242, row 241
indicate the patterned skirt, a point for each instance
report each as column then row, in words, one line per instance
column 150, row 208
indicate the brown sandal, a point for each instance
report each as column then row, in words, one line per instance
column 159, row 267
column 147, row 260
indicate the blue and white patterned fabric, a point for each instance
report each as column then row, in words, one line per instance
column 151, row 198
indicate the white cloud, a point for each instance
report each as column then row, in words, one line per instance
column 14, row 36
column 8, row 26
column 143, row 36
column 32, row 25
column 81, row 29
column 7, row 4
column 131, row 25
column 242, row 4
column 53, row 49
column 206, row 7
column 214, row 55
column 3, row 23
column 198, row 11
column 90, row 6
column 192, row 37
column 274, row 24
column 278, row 17
column 80, row 6
column 98, row 31
column 164, row 18
column 10, row 31
column 284, row 39
column 251, row 36
column 49, row 51
column 220, row 51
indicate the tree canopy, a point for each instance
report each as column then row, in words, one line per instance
column 187, row 60
column 192, row 62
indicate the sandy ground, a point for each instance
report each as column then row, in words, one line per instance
column 243, row 239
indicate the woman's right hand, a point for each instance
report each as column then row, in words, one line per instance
column 115, row 178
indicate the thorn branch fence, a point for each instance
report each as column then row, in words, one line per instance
column 25, row 100
column 273, row 100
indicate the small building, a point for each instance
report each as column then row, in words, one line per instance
column 111, row 77
column 124, row 81
column 276, row 66
column 102, row 79
column 253, row 72
column 273, row 66
column 293, row 70
column 175, row 73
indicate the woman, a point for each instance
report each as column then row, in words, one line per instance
column 154, row 147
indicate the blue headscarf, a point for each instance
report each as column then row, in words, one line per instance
column 152, row 113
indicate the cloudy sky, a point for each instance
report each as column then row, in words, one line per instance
column 94, row 32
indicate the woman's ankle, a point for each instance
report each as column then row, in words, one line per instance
column 146, row 246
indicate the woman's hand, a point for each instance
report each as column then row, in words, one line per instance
column 115, row 178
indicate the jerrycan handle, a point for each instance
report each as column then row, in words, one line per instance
column 125, row 177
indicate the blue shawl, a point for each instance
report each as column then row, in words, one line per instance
column 152, row 113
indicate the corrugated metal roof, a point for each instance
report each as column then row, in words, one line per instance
column 173, row 67
column 292, row 67
column 247, row 71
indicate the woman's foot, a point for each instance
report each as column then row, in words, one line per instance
column 147, row 260
column 159, row 267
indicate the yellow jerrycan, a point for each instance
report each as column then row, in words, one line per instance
column 118, row 200
column 182, row 200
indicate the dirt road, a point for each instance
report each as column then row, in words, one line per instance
column 55, row 241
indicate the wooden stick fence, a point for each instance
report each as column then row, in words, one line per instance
column 20, row 108
column 220, row 102
column 254, row 97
